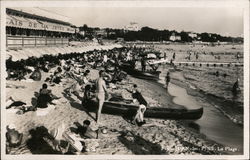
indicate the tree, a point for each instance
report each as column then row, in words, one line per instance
column 185, row 37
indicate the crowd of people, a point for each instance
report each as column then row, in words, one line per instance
column 76, row 66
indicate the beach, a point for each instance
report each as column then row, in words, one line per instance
column 160, row 138
column 157, row 136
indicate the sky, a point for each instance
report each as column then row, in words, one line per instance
column 224, row 21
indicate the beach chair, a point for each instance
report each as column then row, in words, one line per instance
column 74, row 141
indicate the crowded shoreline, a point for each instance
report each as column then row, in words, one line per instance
column 155, row 137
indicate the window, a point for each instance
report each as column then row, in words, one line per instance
column 8, row 30
column 13, row 31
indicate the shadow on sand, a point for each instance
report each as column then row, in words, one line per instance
column 139, row 145
column 77, row 105
column 37, row 145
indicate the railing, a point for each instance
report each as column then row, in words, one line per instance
column 19, row 41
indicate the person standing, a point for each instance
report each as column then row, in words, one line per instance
column 174, row 56
column 139, row 117
column 100, row 94
column 235, row 88
column 165, row 55
column 137, row 97
column 143, row 64
column 167, row 79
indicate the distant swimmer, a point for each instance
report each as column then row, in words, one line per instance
column 238, row 55
column 197, row 56
column 167, row 79
column 225, row 75
column 217, row 73
column 174, row 56
column 235, row 88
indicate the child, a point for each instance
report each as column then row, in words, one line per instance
column 86, row 131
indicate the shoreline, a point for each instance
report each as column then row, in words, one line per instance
column 197, row 96
column 199, row 93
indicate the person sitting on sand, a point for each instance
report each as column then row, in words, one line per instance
column 57, row 79
column 86, row 132
column 45, row 96
column 36, row 75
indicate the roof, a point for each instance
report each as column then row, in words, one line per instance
column 22, row 22
column 41, row 14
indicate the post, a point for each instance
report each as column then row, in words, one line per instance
column 6, row 41
column 22, row 41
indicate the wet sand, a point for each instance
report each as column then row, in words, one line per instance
column 213, row 123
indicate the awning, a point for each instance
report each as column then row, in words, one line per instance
column 27, row 23
column 25, row 53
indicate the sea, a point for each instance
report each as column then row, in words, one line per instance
column 210, row 87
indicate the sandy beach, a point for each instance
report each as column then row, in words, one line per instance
column 156, row 137
column 124, row 80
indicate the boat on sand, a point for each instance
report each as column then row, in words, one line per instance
column 149, row 75
column 129, row 110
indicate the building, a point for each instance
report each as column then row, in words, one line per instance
column 174, row 37
column 101, row 33
column 26, row 28
column 133, row 26
column 192, row 35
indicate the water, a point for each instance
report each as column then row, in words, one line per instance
column 222, row 110
column 215, row 125
column 204, row 77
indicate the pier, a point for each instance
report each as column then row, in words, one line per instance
column 212, row 64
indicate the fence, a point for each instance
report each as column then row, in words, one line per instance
column 19, row 41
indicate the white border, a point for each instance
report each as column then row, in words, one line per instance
column 187, row 3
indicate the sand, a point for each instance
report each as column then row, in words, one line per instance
column 156, row 137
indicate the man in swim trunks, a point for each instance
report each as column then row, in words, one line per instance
column 100, row 94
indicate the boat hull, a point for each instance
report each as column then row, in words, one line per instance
column 122, row 109
column 154, row 75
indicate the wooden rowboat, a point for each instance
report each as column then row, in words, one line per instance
column 149, row 75
column 123, row 109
